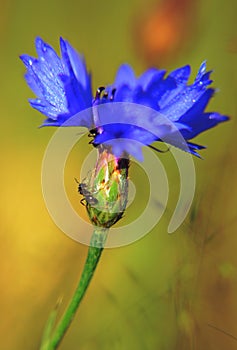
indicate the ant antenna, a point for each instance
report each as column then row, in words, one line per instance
column 76, row 180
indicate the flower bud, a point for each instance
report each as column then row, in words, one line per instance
column 106, row 191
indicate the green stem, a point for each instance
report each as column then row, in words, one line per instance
column 94, row 253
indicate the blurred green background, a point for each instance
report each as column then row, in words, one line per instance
column 166, row 292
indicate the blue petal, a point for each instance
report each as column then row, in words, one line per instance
column 195, row 146
column 143, row 98
column 177, row 79
column 165, row 90
column 43, row 82
column 124, row 94
column 204, row 122
column 48, row 55
column 201, row 71
column 181, row 75
column 182, row 102
column 124, row 139
column 161, row 87
column 78, row 65
column 199, row 121
column 76, row 97
column 125, row 76
column 149, row 76
column 34, row 84
column 197, row 109
column 63, row 86
column 32, row 79
column 47, row 109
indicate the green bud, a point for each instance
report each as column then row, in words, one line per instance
column 106, row 191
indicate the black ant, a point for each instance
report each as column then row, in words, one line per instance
column 82, row 189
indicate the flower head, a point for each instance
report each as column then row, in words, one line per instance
column 177, row 104
column 128, row 114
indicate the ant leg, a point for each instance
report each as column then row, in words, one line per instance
column 82, row 201
column 159, row 150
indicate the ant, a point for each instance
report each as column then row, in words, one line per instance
column 82, row 189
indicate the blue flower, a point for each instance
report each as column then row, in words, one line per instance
column 152, row 107
column 62, row 86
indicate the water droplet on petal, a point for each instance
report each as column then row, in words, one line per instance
column 44, row 48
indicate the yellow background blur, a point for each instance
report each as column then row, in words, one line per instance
column 165, row 291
